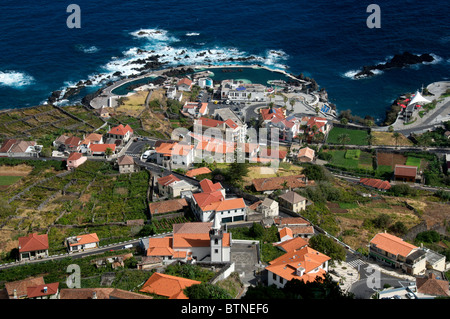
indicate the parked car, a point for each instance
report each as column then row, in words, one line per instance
column 410, row 295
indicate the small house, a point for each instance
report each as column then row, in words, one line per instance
column 82, row 242
column 33, row 246
column 293, row 201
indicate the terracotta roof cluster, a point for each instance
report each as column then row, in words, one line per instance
column 291, row 221
column 185, row 236
column 375, row 183
column 21, row 286
column 167, row 285
column 173, row 205
column 33, row 242
column 392, row 244
column 274, row 183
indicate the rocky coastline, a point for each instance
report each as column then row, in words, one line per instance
column 398, row 61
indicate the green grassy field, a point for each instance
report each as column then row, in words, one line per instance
column 356, row 137
column 413, row 161
column 353, row 160
column 9, row 180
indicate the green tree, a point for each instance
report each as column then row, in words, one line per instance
column 396, row 136
column 328, row 246
column 206, row 291
column 108, row 151
column 343, row 138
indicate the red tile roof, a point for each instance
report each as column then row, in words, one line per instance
column 120, row 130
column 21, row 286
column 185, row 81
column 33, row 242
column 168, row 206
column 274, row 183
column 292, row 244
column 198, row 171
column 405, row 170
column 43, row 290
column 375, row 183
column 167, row 180
column 74, row 156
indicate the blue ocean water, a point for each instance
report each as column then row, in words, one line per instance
column 324, row 40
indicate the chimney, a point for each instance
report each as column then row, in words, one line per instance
column 45, row 289
column 15, row 294
column 94, row 295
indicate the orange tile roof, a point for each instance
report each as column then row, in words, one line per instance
column 160, row 246
column 291, row 221
column 292, row 244
column 167, row 285
column 208, row 186
column 121, row 130
column 432, row 286
column 392, row 244
column 286, row 231
column 198, row 171
column 86, row 239
column 169, row 149
column 96, row 148
column 195, row 235
column 307, row 258
column 268, row 114
column 204, row 200
column 33, row 242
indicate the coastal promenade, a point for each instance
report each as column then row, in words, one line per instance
column 107, row 95
column 431, row 119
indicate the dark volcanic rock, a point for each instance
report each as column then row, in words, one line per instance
column 398, row 61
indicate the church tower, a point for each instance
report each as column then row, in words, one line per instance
column 216, row 236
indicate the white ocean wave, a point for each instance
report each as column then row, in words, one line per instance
column 91, row 49
column 154, row 35
column 192, row 34
column 15, row 79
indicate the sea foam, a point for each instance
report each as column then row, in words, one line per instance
column 15, row 79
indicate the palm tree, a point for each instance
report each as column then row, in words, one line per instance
column 343, row 138
column 285, row 99
column 108, row 152
column 396, row 136
column 292, row 103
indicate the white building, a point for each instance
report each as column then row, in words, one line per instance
column 191, row 241
column 242, row 92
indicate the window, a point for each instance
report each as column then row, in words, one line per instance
column 274, row 277
column 216, row 251
column 216, row 241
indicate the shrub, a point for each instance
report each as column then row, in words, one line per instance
column 429, row 236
